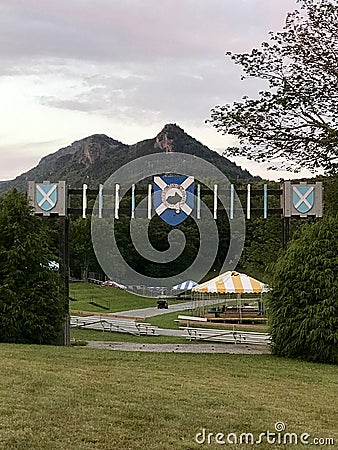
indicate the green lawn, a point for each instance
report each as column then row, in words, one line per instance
column 112, row 298
column 79, row 398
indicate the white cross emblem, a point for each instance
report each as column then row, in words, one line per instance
column 46, row 197
column 303, row 198
column 173, row 198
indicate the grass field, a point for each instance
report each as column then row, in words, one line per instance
column 78, row 398
column 112, row 298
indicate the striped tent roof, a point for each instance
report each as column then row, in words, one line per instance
column 185, row 286
column 233, row 283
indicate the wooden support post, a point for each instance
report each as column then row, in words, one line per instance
column 286, row 230
column 64, row 336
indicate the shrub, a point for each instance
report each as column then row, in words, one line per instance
column 32, row 308
column 303, row 303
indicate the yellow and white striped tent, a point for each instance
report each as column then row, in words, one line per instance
column 232, row 283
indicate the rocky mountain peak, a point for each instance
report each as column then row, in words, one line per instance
column 165, row 140
column 93, row 148
column 93, row 159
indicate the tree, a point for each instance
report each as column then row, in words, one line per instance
column 82, row 256
column 303, row 307
column 295, row 118
column 32, row 307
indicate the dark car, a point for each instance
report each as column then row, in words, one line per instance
column 162, row 304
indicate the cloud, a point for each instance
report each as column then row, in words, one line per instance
column 134, row 59
column 132, row 30
column 123, row 66
column 18, row 158
column 170, row 90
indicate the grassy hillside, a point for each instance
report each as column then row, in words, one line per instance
column 77, row 398
column 109, row 297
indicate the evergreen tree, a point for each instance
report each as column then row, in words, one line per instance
column 303, row 302
column 32, row 308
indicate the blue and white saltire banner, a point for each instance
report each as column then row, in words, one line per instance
column 185, row 286
column 46, row 196
column 303, row 198
column 173, row 198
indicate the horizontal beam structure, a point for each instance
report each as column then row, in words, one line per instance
column 126, row 211
column 94, row 192
column 245, row 194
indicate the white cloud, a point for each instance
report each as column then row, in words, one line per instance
column 124, row 68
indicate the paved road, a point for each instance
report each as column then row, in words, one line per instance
column 151, row 312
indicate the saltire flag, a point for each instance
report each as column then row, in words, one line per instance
column 173, row 198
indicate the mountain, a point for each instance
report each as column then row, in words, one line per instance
column 93, row 159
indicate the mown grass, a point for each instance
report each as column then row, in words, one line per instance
column 110, row 297
column 79, row 398
column 93, row 335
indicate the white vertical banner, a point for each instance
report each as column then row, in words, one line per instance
column 232, row 197
column 100, row 200
column 265, row 201
column 198, row 201
column 117, row 200
column 84, row 200
column 133, row 201
column 248, row 202
column 149, row 201
column 215, row 201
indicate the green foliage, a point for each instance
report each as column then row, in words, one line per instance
column 263, row 245
column 31, row 306
column 295, row 117
column 82, row 256
column 330, row 185
column 303, row 303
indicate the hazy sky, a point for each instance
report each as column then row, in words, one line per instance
column 71, row 68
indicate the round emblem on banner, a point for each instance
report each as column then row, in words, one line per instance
column 174, row 196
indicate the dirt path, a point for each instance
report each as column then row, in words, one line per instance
column 243, row 349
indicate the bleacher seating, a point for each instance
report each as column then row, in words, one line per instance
column 228, row 336
column 112, row 324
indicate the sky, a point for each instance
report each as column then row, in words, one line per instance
column 125, row 68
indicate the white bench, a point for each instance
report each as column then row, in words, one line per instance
column 228, row 336
column 192, row 318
